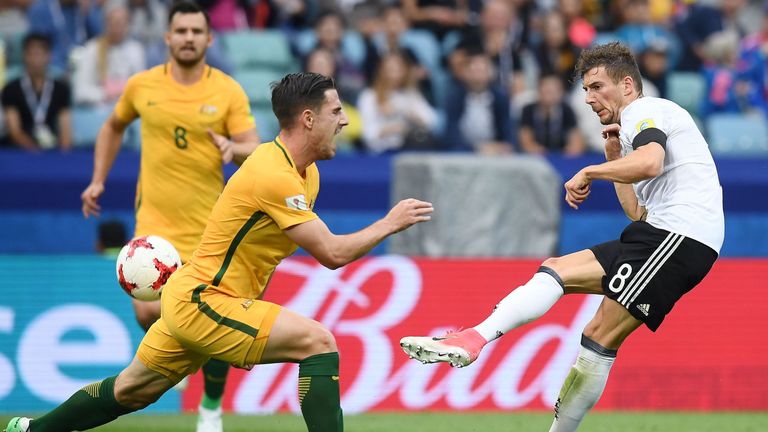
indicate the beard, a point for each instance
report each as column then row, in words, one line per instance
column 189, row 62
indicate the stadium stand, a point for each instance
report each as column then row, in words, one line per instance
column 687, row 90
column 256, row 82
column 259, row 49
column 734, row 134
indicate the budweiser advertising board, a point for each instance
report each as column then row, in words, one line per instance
column 709, row 354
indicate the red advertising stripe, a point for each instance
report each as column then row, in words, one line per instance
column 707, row 355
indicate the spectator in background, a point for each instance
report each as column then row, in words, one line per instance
column 351, row 137
column 390, row 40
column 36, row 106
column 638, row 30
column 698, row 22
column 103, row 66
column 653, row 62
column 227, row 15
column 728, row 87
column 147, row 22
column 477, row 112
column 394, row 114
column 549, row 124
column 556, row 54
column 580, row 31
column 437, row 16
column 497, row 36
column 754, row 56
column 67, row 23
column 329, row 30
column 13, row 19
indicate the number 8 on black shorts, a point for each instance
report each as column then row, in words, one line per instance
column 649, row 269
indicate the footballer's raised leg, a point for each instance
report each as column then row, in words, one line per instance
column 522, row 305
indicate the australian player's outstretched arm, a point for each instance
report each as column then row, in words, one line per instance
column 334, row 251
column 108, row 143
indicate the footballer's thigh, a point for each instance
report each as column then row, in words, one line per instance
column 294, row 337
column 231, row 329
column 247, row 332
column 162, row 352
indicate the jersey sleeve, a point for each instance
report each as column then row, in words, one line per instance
column 644, row 125
column 239, row 117
column 283, row 199
column 124, row 108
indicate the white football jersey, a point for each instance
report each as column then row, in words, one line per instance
column 686, row 198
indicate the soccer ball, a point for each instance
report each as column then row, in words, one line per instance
column 144, row 266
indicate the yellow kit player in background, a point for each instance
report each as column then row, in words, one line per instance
column 186, row 108
column 211, row 306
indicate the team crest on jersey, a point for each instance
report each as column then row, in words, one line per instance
column 297, row 202
column 644, row 124
column 208, row 110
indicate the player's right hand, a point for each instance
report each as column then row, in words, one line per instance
column 408, row 212
column 90, row 198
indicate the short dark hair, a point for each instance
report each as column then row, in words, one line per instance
column 615, row 57
column 187, row 7
column 297, row 92
column 36, row 38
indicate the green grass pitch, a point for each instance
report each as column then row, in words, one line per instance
column 458, row 422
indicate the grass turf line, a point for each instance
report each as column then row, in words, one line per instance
column 459, row 422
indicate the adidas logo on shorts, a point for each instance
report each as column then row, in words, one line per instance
column 645, row 308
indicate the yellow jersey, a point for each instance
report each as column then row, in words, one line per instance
column 244, row 239
column 180, row 176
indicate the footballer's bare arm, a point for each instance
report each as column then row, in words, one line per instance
column 334, row 251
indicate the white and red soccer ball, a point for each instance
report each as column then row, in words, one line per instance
column 144, row 266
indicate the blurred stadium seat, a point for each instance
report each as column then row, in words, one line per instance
column 259, row 49
column 266, row 123
column 86, row 123
column 736, row 134
column 256, row 82
column 14, row 52
column 450, row 42
column 425, row 46
column 352, row 45
column 687, row 89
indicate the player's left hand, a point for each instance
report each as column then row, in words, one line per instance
column 225, row 145
column 577, row 189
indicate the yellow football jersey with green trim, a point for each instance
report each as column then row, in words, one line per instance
column 181, row 176
column 244, row 239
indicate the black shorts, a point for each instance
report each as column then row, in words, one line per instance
column 649, row 269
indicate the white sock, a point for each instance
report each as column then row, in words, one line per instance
column 583, row 386
column 523, row 305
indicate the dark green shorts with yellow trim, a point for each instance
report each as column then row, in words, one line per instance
column 209, row 324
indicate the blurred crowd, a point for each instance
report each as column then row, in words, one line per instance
column 485, row 76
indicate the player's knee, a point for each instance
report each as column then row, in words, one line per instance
column 321, row 341
column 136, row 397
column 553, row 263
